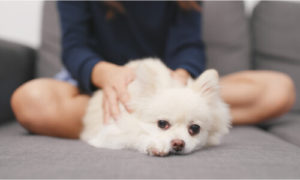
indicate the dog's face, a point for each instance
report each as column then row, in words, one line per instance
column 181, row 119
column 177, row 120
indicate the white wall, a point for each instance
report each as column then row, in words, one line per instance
column 20, row 21
column 249, row 5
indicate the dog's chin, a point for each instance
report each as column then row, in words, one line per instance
column 173, row 152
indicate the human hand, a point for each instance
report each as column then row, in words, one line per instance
column 181, row 75
column 113, row 80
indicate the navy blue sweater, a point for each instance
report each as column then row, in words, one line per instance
column 146, row 29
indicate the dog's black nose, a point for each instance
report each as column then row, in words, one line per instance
column 177, row 144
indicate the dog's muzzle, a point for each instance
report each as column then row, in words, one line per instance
column 177, row 145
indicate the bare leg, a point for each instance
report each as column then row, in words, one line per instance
column 50, row 107
column 255, row 96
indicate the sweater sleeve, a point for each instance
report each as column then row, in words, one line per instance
column 184, row 47
column 77, row 51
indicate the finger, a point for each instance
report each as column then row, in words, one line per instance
column 172, row 73
column 182, row 80
column 179, row 78
column 105, row 110
column 123, row 94
column 130, row 78
column 112, row 102
column 124, row 97
column 130, row 75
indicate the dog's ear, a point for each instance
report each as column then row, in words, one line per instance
column 145, row 79
column 207, row 83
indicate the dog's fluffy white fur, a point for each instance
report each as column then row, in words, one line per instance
column 155, row 96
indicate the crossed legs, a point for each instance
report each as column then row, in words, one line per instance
column 55, row 108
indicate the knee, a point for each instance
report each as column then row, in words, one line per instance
column 288, row 93
column 284, row 93
column 32, row 105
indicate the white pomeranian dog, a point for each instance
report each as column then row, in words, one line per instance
column 168, row 117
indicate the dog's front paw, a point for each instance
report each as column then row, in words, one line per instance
column 155, row 152
column 154, row 147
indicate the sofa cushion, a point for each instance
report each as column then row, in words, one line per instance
column 246, row 152
column 276, row 39
column 226, row 36
column 285, row 127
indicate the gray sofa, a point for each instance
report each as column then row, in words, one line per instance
column 269, row 39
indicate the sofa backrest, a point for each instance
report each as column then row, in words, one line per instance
column 276, row 39
column 49, row 61
column 16, row 67
column 225, row 34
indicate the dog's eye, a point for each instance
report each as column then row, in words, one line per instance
column 163, row 124
column 194, row 129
